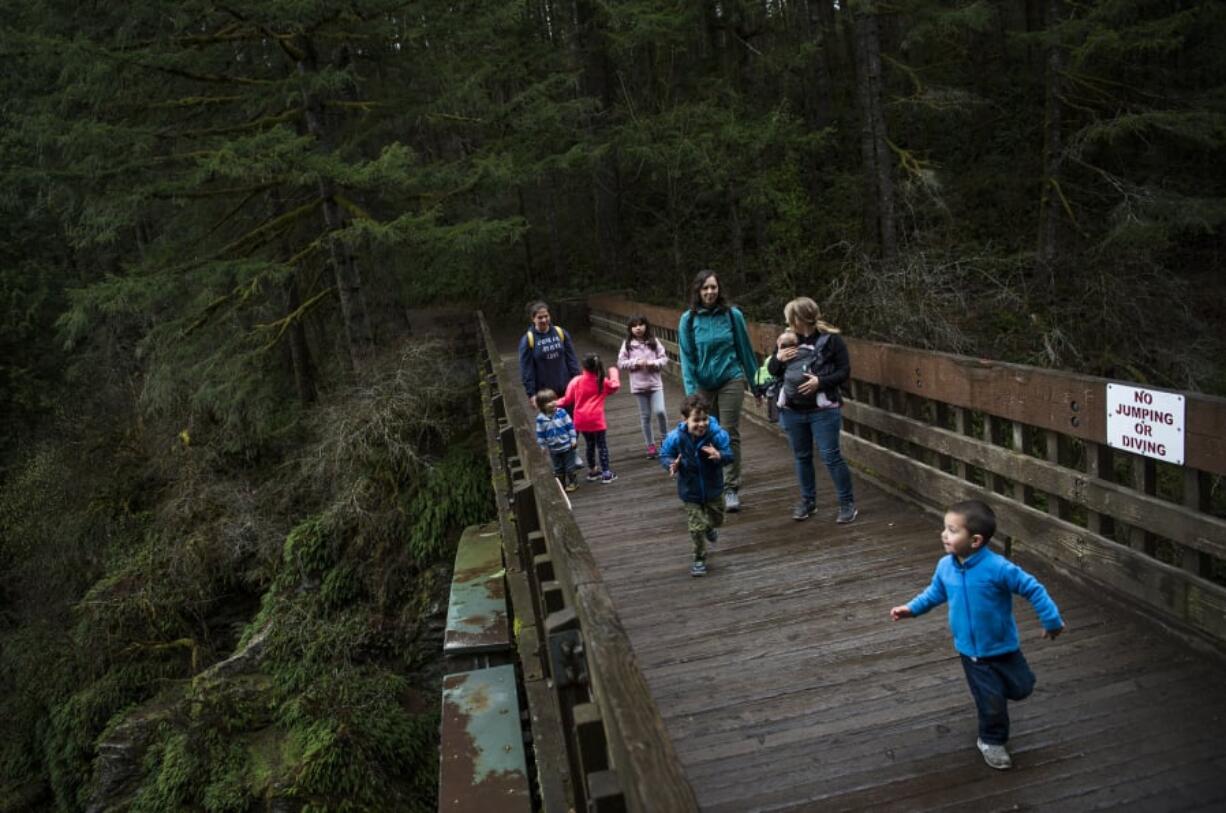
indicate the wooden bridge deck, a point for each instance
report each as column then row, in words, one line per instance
column 785, row 685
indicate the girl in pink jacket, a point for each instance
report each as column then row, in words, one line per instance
column 585, row 396
column 644, row 356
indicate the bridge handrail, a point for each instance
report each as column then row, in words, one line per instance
column 1031, row 442
column 617, row 746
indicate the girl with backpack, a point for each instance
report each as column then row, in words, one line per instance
column 643, row 356
column 584, row 398
column 812, row 407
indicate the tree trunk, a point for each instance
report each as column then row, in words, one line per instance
column 878, row 164
column 738, row 238
column 300, row 351
column 526, row 239
column 358, row 334
column 818, row 102
column 596, row 82
column 555, row 237
column 1033, row 11
column 1051, row 204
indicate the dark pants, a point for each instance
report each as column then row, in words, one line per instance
column 994, row 682
column 595, row 442
column 564, row 463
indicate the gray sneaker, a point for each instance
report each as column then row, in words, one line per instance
column 699, row 568
column 712, row 536
column 997, row 756
column 732, row 503
column 803, row 510
column 847, row 513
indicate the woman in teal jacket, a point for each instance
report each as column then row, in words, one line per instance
column 717, row 360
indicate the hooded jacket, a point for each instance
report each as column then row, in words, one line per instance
column 980, row 595
column 654, row 358
column 715, row 348
column 586, row 398
column 699, row 479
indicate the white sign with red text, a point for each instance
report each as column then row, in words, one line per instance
column 1146, row 422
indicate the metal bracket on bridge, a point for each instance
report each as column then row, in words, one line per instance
column 567, row 658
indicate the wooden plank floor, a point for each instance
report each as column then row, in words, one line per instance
column 785, row 686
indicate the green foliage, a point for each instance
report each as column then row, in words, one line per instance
column 210, row 457
column 456, row 493
column 339, row 543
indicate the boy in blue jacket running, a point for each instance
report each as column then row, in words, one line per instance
column 979, row 585
column 695, row 453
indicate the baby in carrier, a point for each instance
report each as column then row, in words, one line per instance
column 807, row 361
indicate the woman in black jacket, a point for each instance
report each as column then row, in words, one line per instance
column 814, row 412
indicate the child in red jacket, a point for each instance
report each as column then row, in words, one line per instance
column 584, row 397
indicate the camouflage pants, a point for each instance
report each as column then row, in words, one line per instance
column 700, row 517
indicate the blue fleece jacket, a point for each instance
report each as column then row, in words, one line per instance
column 550, row 363
column 980, row 595
column 699, row 479
column 715, row 348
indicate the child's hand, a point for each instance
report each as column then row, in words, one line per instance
column 786, row 354
column 1052, row 633
column 574, row 444
column 674, row 467
column 901, row 612
column 711, row 452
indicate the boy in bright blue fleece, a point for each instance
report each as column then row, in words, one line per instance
column 979, row 585
column 695, row 453
column 555, row 433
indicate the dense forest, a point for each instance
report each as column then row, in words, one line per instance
column 230, row 474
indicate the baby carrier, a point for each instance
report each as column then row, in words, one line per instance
column 819, row 364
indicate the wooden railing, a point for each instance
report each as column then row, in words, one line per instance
column 1032, row 443
column 599, row 742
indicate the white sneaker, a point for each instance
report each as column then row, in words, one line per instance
column 997, row 756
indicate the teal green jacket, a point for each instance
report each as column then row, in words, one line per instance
column 714, row 349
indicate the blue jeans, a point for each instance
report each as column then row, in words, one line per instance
column 994, row 682
column 564, row 462
column 651, row 405
column 821, row 426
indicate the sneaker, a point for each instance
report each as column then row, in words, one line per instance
column 803, row 510
column 997, row 756
column 593, row 476
column 732, row 503
column 571, row 485
column 847, row 513
column 699, row 568
column 652, row 451
column 712, row 536
column 607, row 477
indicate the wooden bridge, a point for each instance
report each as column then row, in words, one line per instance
column 778, row 682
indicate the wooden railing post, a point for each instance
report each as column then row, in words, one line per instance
column 1057, row 505
column 1196, row 497
column 1100, row 465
